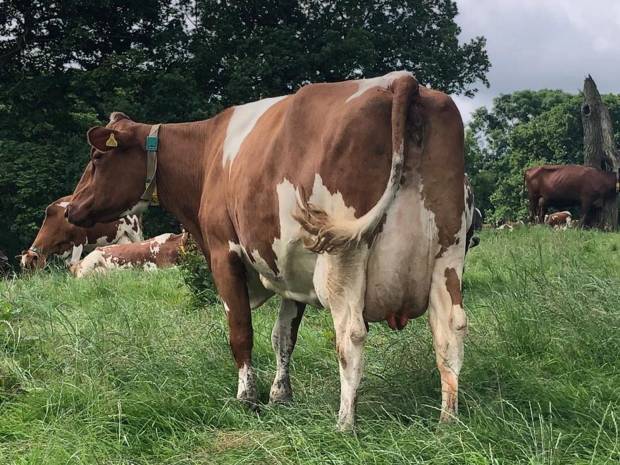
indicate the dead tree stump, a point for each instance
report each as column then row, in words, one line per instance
column 599, row 149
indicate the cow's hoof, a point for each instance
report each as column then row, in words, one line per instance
column 250, row 403
column 281, row 393
column 346, row 425
column 447, row 418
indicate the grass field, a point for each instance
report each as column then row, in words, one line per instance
column 120, row 370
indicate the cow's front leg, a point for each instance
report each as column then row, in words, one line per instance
column 448, row 324
column 229, row 276
column 283, row 339
column 344, row 286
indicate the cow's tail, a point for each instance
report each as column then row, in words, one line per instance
column 330, row 234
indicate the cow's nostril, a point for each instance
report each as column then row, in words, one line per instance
column 67, row 212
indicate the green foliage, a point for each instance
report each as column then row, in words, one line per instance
column 66, row 65
column 114, row 369
column 197, row 277
column 523, row 129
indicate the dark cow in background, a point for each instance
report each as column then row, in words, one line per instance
column 162, row 251
column 348, row 196
column 59, row 237
column 561, row 186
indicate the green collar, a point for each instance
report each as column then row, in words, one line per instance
column 150, row 185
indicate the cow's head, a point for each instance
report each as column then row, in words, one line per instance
column 113, row 180
column 56, row 236
column 32, row 260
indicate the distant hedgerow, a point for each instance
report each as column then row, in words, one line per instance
column 197, row 276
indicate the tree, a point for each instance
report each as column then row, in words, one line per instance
column 599, row 147
column 245, row 50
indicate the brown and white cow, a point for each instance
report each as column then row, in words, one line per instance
column 59, row 237
column 162, row 251
column 559, row 220
column 566, row 186
column 348, row 196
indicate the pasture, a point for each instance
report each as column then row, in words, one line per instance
column 120, row 370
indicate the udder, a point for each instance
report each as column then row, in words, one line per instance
column 401, row 261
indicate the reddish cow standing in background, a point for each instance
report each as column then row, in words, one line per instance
column 568, row 185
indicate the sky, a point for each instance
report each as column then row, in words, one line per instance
column 543, row 44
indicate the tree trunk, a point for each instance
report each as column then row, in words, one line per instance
column 599, row 150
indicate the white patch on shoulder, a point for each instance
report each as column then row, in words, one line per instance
column 62, row 204
column 241, row 123
column 381, row 81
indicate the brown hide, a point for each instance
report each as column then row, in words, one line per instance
column 561, row 186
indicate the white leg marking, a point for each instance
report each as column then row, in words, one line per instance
column 76, row 254
column 448, row 322
column 282, row 343
column 345, row 282
column 246, row 389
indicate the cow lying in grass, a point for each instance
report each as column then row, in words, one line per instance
column 348, row 196
column 59, row 237
column 559, row 220
column 159, row 252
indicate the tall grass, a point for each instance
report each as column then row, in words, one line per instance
column 121, row 370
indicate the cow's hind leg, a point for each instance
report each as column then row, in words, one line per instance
column 283, row 339
column 341, row 281
column 229, row 276
column 532, row 208
column 448, row 324
column 542, row 210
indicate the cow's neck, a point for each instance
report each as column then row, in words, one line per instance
column 182, row 161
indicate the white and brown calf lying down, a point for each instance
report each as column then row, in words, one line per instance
column 559, row 220
column 159, row 252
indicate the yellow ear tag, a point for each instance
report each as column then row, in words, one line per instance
column 111, row 142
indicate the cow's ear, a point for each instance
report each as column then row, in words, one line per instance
column 105, row 139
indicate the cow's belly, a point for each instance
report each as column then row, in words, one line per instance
column 399, row 266
column 401, row 261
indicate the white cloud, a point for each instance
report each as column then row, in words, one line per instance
column 536, row 44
